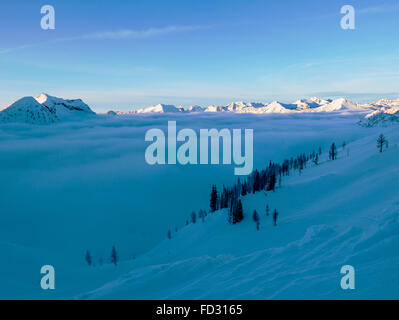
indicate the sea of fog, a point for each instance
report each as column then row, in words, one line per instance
column 76, row 186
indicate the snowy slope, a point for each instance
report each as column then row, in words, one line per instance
column 340, row 212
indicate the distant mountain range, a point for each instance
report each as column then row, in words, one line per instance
column 299, row 106
column 46, row 109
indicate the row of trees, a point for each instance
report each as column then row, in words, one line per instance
column 114, row 259
column 256, row 217
column 266, row 180
column 194, row 218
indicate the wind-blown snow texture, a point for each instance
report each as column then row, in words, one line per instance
column 72, row 186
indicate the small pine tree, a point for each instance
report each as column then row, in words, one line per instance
column 244, row 190
column 214, row 199
column 256, row 219
column 333, row 152
column 114, row 256
column 316, row 159
column 275, row 217
column 193, row 217
column 202, row 215
column 381, row 143
column 267, row 210
column 169, row 235
column 238, row 213
column 272, row 182
column 88, row 258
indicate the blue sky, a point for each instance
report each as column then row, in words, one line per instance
column 129, row 54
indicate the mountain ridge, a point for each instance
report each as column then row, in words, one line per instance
column 47, row 109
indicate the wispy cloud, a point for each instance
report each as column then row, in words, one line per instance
column 7, row 50
column 116, row 35
column 136, row 34
column 382, row 8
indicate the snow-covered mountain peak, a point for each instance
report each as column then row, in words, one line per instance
column 23, row 102
column 27, row 110
column 311, row 103
column 161, row 108
column 195, row 109
column 278, row 107
column 386, row 103
column 42, row 97
column 216, row 108
column 64, row 106
column 44, row 109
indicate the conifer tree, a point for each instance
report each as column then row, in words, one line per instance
column 214, row 199
column 275, row 217
column 272, row 182
column 333, row 152
column 381, row 142
column 114, row 256
column 244, row 190
column 88, row 258
column 193, row 217
column 238, row 213
column 256, row 219
column 316, row 159
column 202, row 215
